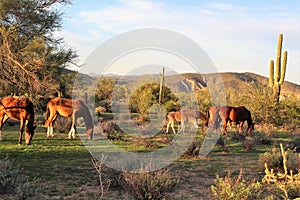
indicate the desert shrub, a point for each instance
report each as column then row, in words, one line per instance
column 248, row 143
column 261, row 137
column 285, row 184
column 111, row 130
column 295, row 143
column 274, row 159
column 148, row 185
column 13, row 183
column 63, row 124
column 104, row 183
column 236, row 188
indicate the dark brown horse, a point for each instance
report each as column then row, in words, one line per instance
column 68, row 108
column 233, row 115
column 19, row 109
column 183, row 116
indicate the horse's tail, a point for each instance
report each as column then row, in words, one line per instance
column 47, row 115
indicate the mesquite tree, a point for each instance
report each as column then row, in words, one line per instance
column 29, row 51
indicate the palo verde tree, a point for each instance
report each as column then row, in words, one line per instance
column 29, row 51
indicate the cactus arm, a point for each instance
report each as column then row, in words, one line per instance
column 283, row 70
column 278, row 58
column 271, row 77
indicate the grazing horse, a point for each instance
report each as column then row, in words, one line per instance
column 236, row 115
column 182, row 116
column 213, row 117
column 18, row 108
column 68, row 108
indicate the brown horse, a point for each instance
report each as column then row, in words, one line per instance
column 183, row 116
column 68, row 108
column 19, row 109
column 234, row 115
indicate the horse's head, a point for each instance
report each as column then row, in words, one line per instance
column 29, row 133
column 250, row 128
column 90, row 133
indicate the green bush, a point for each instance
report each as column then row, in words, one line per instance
column 274, row 160
column 148, row 185
column 16, row 185
column 236, row 188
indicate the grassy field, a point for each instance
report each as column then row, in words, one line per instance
column 66, row 170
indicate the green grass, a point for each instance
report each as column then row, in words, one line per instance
column 67, row 172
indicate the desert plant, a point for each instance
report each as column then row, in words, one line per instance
column 286, row 183
column 104, row 184
column 277, row 80
column 63, row 124
column 148, row 185
column 236, row 188
column 248, row 143
column 274, row 159
column 15, row 184
column 111, row 130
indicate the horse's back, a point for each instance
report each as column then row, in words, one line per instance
column 18, row 107
column 240, row 113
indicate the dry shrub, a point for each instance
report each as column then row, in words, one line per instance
column 15, row 184
column 248, row 143
column 63, row 124
column 274, row 160
column 111, row 130
column 284, row 183
column 236, row 188
column 148, row 185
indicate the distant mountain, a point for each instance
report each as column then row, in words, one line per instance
column 188, row 82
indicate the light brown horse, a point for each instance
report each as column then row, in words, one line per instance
column 68, row 108
column 233, row 115
column 18, row 108
column 183, row 116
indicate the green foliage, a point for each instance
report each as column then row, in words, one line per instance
column 147, row 95
column 104, row 90
column 236, row 188
column 148, row 185
column 28, row 48
column 258, row 99
column 15, row 184
column 284, row 183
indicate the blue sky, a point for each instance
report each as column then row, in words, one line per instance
column 238, row 35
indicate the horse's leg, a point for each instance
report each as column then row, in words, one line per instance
column 182, row 127
column 51, row 120
column 168, row 125
column 71, row 133
column 22, row 122
column 3, row 119
column 172, row 126
column 241, row 127
column 225, row 126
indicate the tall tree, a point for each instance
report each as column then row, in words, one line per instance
column 29, row 51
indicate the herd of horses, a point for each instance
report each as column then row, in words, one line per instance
column 21, row 108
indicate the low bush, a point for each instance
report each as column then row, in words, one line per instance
column 14, row 184
column 284, row 183
column 236, row 188
column 63, row 124
column 148, row 185
column 274, row 159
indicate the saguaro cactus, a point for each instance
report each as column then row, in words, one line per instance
column 277, row 80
